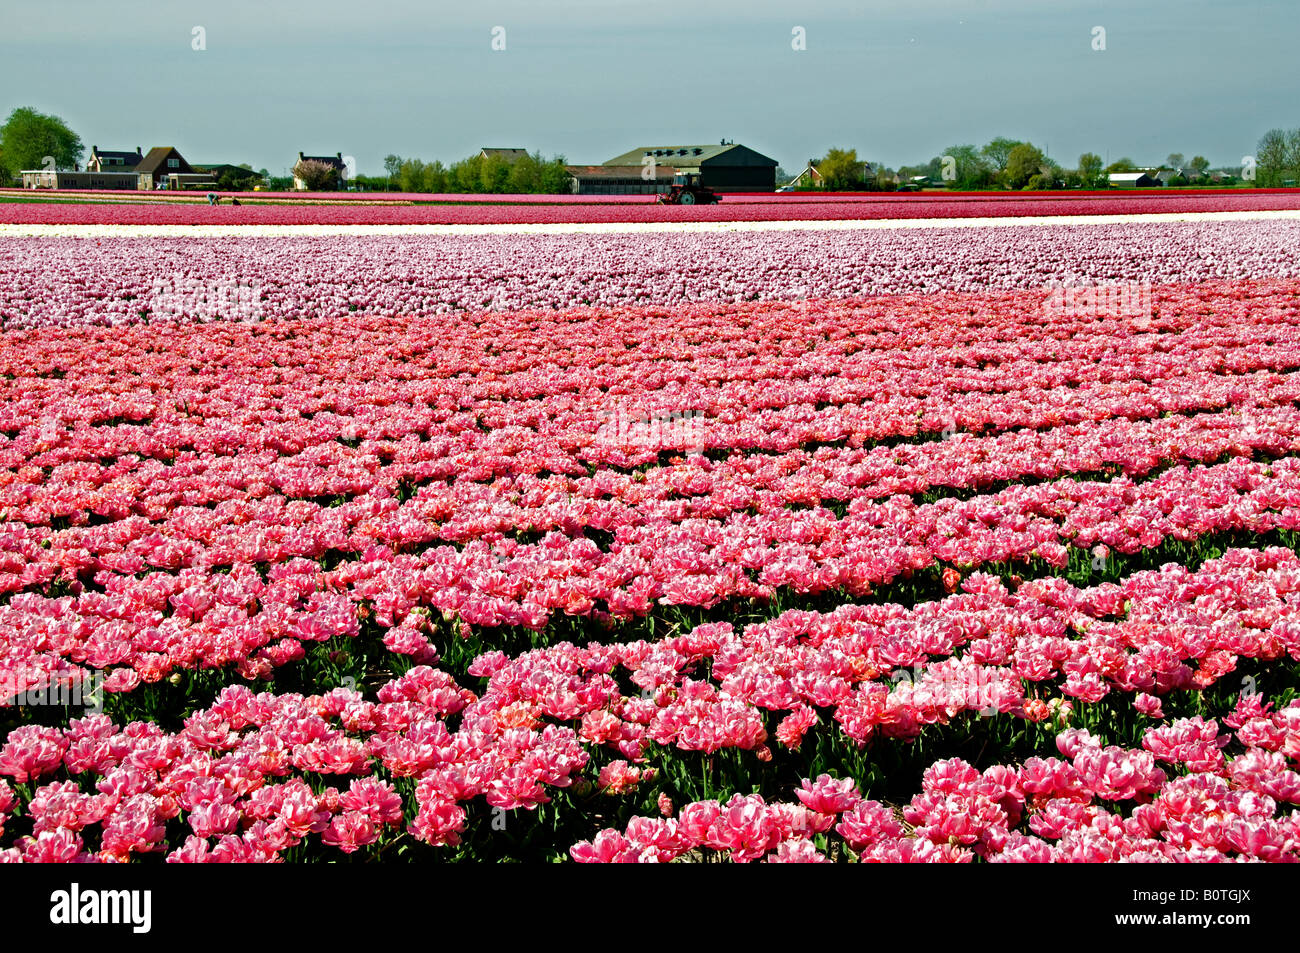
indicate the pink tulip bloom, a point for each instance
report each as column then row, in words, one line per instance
column 1148, row 705
column 350, row 831
column 829, row 796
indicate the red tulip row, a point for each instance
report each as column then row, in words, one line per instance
column 1099, row 271
column 235, row 773
column 733, row 208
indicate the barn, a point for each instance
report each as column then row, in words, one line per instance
column 725, row 167
column 53, row 179
column 618, row 179
column 1133, row 180
column 163, row 167
column 511, row 156
column 113, row 161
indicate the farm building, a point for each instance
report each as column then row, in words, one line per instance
column 165, row 168
column 618, row 179
column 227, row 176
column 162, row 168
column 510, row 155
column 112, row 161
column 1133, row 180
column 53, row 179
column 725, row 167
column 811, row 171
column 335, row 161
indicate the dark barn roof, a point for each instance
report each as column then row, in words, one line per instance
column 156, row 160
column 117, row 159
column 615, row 171
column 510, row 155
column 728, row 154
column 335, row 160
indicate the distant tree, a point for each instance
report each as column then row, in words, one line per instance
column 1041, row 181
column 466, row 175
column 28, row 136
column 232, row 181
column 494, row 174
column 523, row 175
column 1175, row 160
column 531, row 173
column 841, row 169
column 1090, row 170
column 1121, row 165
column 555, row 176
column 437, row 177
column 1024, row 162
column 410, row 175
column 998, row 151
column 392, row 167
column 317, row 176
column 971, row 169
column 1271, row 159
column 1199, row 165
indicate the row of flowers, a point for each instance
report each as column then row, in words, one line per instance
column 116, row 280
column 774, row 209
column 1097, row 803
column 236, row 779
column 888, row 671
column 206, row 603
column 80, row 486
column 848, row 367
column 192, row 416
column 994, row 199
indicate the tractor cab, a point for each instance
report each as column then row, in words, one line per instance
column 686, row 190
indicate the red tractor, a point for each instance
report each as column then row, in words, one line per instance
column 686, row 190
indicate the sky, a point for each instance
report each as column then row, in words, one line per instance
column 589, row 79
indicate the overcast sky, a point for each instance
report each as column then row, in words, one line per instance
column 590, row 79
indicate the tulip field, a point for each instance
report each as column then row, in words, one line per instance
column 617, row 534
column 378, row 208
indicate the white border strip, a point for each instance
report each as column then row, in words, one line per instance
column 608, row 228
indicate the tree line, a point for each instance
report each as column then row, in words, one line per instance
column 1002, row 163
column 28, row 137
column 529, row 173
column 1277, row 159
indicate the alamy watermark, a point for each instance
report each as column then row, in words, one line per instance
column 84, row 691
column 78, row 907
column 184, row 297
column 976, row 689
column 1129, row 301
column 671, row 430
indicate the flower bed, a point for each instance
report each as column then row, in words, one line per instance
column 543, row 209
column 1001, row 571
